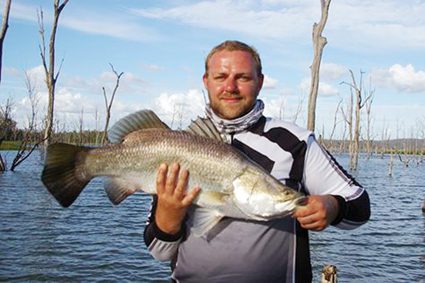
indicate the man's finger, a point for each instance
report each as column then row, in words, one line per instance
column 173, row 173
column 190, row 196
column 182, row 183
column 161, row 177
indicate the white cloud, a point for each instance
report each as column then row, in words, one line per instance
column 359, row 25
column 112, row 26
column 402, row 78
column 178, row 109
column 367, row 23
column 153, row 67
column 109, row 23
column 332, row 71
column 269, row 82
column 242, row 16
column 325, row 89
column 356, row 25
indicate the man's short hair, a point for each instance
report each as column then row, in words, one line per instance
column 234, row 45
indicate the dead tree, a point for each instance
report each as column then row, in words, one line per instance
column 81, row 127
column 369, row 138
column 30, row 140
column 360, row 102
column 6, row 123
column 49, row 65
column 4, row 26
column 108, row 104
column 348, row 118
column 319, row 43
column 335, row 123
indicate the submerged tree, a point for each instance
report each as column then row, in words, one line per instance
column 4, row 26
column 360, row 101
column 30, row 139
column 108, row 104
column 49, row 65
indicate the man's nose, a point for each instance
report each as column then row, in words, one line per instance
column 231, row 85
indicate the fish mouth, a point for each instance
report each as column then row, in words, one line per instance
column 302, row 201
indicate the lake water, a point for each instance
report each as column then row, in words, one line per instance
column 95, row 241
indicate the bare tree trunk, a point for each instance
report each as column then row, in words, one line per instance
column 348, row 118
column 369, row 138
column 358, row 91
column 4, row 26
column 108, row 105
column 2, row 162
column 51, row 76
column 80, row 127
column 319, row 43
column 331, row 135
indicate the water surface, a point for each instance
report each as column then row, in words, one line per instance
column 95, row 241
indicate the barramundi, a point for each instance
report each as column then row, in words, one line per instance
column 231, row 184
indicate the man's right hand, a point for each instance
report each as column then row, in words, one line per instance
column 173, row 197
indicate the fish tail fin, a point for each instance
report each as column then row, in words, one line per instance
column 60, row 172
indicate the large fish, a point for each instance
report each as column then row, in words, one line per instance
column 231, row 184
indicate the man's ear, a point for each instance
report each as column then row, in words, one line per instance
column 205, row 79
column 260, row 81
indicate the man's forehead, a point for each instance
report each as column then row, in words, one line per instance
column 222, row 60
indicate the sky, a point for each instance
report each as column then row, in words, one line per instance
column 160, row 46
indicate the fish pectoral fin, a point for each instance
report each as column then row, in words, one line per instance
column 212, row 198
column 202, row 220
column 119, row 189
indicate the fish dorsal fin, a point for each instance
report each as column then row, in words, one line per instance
column 204, row 127
column 143, row 119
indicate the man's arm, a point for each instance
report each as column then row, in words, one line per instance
column 335, row 197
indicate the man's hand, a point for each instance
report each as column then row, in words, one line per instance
column 318, row 213
column 173, row 198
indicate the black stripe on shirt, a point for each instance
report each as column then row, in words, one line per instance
column 290, row 143
column 259, row 158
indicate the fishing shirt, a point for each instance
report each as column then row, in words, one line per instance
column 264, row 251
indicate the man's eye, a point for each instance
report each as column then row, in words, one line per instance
column 219, row 78
column 245, row 78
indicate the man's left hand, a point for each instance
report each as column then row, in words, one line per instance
column 318, row 212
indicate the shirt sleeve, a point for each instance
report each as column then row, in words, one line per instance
column 161, row 245
column 323, row 175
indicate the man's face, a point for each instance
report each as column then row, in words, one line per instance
column 232, row 83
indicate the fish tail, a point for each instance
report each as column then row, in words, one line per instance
column 60, row 174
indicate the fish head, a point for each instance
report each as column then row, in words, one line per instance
column 262, row 197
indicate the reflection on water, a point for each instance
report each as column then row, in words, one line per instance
column 93, row 240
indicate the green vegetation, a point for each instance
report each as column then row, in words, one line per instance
column 10, row 145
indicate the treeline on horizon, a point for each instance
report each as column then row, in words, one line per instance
column 13, row 138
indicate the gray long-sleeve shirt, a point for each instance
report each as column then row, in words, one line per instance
column 272, row 251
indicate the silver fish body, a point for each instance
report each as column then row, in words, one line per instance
column 231, row 184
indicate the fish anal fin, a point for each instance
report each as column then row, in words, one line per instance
column 119, row 189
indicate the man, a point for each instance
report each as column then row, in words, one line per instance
column 251, row 251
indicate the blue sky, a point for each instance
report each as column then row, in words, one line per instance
column 161, row 45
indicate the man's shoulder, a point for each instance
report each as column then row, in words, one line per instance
column 273, row 124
